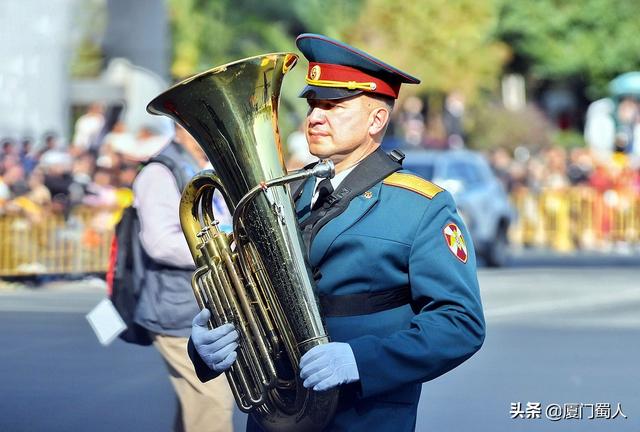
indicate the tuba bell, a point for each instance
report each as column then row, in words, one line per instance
column 257, row 277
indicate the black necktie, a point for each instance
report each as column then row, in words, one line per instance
column 324, row 190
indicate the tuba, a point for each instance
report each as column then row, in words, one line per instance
column 257, row 277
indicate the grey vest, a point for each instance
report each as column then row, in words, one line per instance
column 166, row 303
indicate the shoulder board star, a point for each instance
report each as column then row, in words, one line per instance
column 413, row 183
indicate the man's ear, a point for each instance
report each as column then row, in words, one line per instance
column 378, row 120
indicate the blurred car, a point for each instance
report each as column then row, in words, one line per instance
column 480, row 197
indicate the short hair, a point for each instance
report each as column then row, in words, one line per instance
column 388, row 101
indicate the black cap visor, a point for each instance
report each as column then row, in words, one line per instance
column 327, row 93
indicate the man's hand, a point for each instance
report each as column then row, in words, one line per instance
column 216, row 347
column 327, row 366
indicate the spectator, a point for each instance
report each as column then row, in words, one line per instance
column 50, row 142
column 84, row 166
column 580, row 166
column 7, row 149
column 15, row 180
column 411, row 121
column 101, row 192
column 501, row 161
column 87, row 130
column 628, row 116
column 28, row 160
column 166, row 303
column 555, row 163
column 38, row 192
column 453, row 117
column 58, row 178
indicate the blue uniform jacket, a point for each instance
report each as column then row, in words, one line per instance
column 394, row 232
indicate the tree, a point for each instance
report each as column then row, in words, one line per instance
column 589, row 40
column 209, row 33
column 89, row 23
column 447, row 43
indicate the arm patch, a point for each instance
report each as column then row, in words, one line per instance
column 413, row 183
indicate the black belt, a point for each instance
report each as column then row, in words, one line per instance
column 364, row 303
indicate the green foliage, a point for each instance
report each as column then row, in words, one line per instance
column 87, row 60
column 447, row 43
column 208, row 33
column 328, row 17
column 567, row 139
column 452, row 45
column 593, row 40
column 89, row 23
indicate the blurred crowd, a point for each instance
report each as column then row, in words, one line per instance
column 95, row 169
column 414, row 126
column 557, row 168
column 600, row 164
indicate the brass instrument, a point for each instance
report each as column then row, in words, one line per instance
column 263, row 285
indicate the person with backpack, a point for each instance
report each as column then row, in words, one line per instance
column 166, row 304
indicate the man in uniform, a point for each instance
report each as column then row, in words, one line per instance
column 398, row 287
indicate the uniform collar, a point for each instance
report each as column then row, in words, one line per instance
column 335, row 181
column 372, row 170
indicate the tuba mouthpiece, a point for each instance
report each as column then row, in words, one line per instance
column 324, row 169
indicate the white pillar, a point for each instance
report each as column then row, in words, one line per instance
column 35, row 51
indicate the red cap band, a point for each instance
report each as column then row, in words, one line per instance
column 333, row 75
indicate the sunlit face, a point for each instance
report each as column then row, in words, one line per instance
column 337, row 128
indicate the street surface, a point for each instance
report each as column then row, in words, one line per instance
column 561, row 331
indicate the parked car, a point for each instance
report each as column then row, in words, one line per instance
column 480, row 197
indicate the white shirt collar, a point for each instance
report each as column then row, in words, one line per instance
column 335, row 181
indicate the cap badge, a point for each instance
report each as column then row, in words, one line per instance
column 314, row 73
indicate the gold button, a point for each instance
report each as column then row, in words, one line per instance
column 367, row 194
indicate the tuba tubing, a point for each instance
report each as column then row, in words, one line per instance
column 256, row 278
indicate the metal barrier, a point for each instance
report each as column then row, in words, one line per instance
column 576, row 218
column 53, row 245
column 564, row 220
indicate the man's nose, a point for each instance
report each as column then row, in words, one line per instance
column 316, row 115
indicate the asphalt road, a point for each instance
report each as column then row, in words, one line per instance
column 560, row 331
